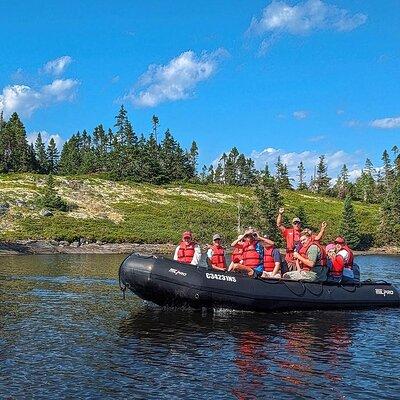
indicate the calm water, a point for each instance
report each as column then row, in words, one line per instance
column 65, row 332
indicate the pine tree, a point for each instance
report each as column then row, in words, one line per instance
column 349, row 226
column 282, row 175
column 155, row 122
column 50, row 199
column 342, row 186
column 52, row 156
column 41, row 156
column 388, row 173
column 365, row 186
column 300, row 212
column 302, row 171
column 322, row 180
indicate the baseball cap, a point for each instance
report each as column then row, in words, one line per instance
column 187, row 234
column 340, row 240
column 296, row 219
column 329, row 247
column 216, row 236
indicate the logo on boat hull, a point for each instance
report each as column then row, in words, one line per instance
column 383, row 292
column 177, row 272
column 220, row 277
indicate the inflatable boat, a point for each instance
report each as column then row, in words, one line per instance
column 168, row 283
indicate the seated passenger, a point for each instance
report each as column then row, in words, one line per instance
column 342, row 262
column 253, row 254
column 272, row 259
column 330, row 250
column 237, row 253
column 188, row 252
column 216, row 254
column 311, row 261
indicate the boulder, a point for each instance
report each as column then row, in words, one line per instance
column 74, row 244
column 63, row 243
column 4, row 207
column 46, row 213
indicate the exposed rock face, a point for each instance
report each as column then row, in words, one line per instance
column 4, row 208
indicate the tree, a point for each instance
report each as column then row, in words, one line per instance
column 365, row 186
column 321, row 180
column 302, row 171
column 388, row 174
column 41, row 156
column 342, row 186
column 349, row 226
column 52, row 156
column 282, row 175
column 50, row 199
column 155, row 122
column 300, row 212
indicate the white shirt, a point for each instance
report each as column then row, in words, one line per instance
column 196, row 256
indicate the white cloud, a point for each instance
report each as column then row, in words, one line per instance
column 340, row 112
column 25, row 100
column 301, row 114
column 334, row 160
column 56, row 67
column 46, row 138
column 386, row 123
column 175, row 80
column 304, row 18
column 353, row 123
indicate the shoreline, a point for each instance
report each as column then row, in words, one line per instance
column 30, row 247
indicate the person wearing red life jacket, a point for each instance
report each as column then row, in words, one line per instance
column 253, row 254
column 188, row 251
column 311, row 263
column 342, row 263
column 291, row 236
column 272, row 259
column 237, row 253
column 216, row 254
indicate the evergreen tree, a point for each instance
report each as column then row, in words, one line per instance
column 282, row 175
column 302, row 172
column 388, row 173
column 300, row 212
column 41, row 156
column 349, row 226
column 365, row 187
column 50, row 199
column 155, row 122
column 342, row 185
column 322, row 180
column 52, row 156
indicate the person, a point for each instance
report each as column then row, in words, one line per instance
column 237, row 253
column 216, row 254
column 310, row 260
column 188, row 251
column 253, row 254
column 272, row 259
column 291, row 236
column 343, row 270
column 330, row 250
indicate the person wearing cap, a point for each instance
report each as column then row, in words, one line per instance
column 188, row 251
column 216, row 254
column 291, row 236
column 342, row 263
column 310, row 260
column 253, row 254
column 237, row 253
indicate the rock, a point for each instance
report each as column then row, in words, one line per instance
column 53, row 242
column 20, row 203
column 74, row 244
column 4, row 208
column 46, row 213
column 63, row 243
column 99, row 242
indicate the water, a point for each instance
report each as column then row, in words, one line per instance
column 65, row 332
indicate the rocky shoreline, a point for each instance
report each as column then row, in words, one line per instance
column 21, row 247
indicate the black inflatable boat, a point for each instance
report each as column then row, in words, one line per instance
column 168, row 283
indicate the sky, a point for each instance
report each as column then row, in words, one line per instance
column 281, row 78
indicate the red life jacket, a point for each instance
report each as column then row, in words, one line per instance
column 251, row 258
column 237, row 253
column 186, row 252
column 292, row 236
column 349, row 262
column 269, row 263
column 218, row 256
column 303, row 252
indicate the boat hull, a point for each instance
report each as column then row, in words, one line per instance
column 168, row 283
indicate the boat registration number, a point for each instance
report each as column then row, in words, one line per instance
column 220, row 277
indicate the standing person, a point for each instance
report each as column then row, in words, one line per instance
column 216, row 254
column 343, row 263
column 188, row 251
column 310, row 260
column 291, row 236
column 237, row 253
column 253, row 254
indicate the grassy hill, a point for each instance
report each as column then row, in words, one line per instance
column 141, row 213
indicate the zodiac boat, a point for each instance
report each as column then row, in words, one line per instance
column 168, row 283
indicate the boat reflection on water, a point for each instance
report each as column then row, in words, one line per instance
column 245, row 354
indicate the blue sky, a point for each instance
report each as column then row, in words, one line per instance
column 295, row 79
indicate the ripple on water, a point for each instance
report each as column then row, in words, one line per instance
column 66, row 333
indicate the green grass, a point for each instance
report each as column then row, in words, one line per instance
column 145, row 213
